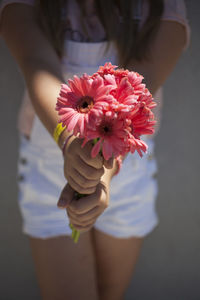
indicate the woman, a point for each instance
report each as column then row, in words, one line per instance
column 146, row 36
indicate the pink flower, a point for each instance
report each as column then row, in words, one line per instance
column 142, row 119
column 137, row 145
column 112, row 106
column 82, row 101
column 134, row 78
column 127, row 87
column 123, row 92
column 111, row 134
column 108, row 68
column 134, row 98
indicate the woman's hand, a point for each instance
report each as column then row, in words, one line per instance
column 82, row 172
column 84, row 212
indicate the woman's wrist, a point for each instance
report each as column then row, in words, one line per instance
column 64, row 135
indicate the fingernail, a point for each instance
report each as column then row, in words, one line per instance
column 61, row 203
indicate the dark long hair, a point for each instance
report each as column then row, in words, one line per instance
column 130, row 41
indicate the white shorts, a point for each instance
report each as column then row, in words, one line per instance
column 131, row 210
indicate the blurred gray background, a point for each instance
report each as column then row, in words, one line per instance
column 169, row 265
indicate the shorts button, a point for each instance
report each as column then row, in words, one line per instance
column 21, row 177
column 155, row 175
column 23, row 161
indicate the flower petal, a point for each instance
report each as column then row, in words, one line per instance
column 107, row 150
column 96, row 148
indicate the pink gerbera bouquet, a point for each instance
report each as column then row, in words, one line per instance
column 112, row 107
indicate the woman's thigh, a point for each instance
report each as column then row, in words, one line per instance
column 115, row 261
column 65, row 270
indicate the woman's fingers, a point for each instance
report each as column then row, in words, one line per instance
column 87, row 171
column 81, row 171
column 82, row 228
column 98, row 198
column 78, row 181
column 66, row 196
column 86, row 217
column 85, row 154
column 76, row 220
column 84, row 212
column 109, row 163
column 85, row 220
column 80, row 189
column 86, row 203
column 82, row 181
column 80, row 225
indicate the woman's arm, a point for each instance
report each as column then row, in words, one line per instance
column 42, row 72
column 36, row 58
column 165, row 50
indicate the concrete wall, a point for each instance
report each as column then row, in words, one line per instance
column 168, row 267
